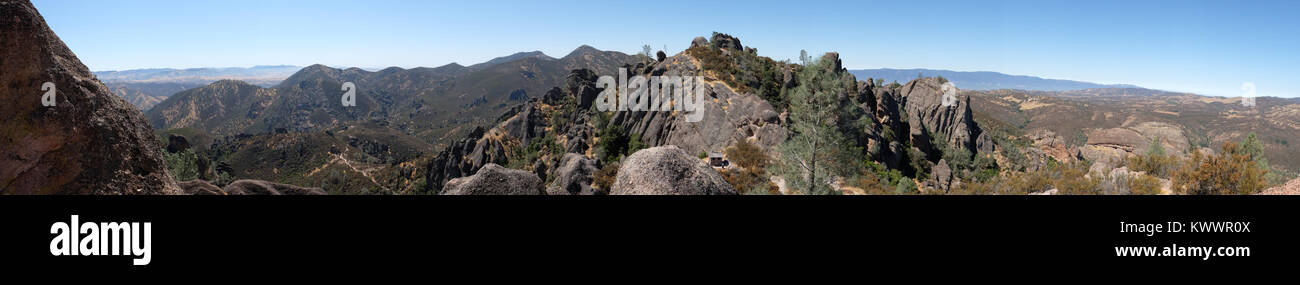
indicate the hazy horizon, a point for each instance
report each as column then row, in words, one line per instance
column 1202, row 47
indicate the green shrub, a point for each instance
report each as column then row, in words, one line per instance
column 182, row 165
column 744, row 71
column 1144, row 185
column 1232, row 171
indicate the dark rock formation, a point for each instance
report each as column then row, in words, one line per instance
column 259, row 187
column 451, row 162
column 725, row 41
column 493, row 179
column 574, row 177
column 667, row 170
column 177, row 143
column 90, row 142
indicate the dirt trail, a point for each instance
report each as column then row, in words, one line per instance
column 348, row 163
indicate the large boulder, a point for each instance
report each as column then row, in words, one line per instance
column 574, row 176
column 493, row 179
column 90, row 142
column 700, row 42
column 668, row 170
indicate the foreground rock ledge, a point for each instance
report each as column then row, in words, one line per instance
column 493, row 179
column 668, row 170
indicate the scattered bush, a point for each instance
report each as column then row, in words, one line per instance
column 1231, row 172
column 182, row 165
column 750, row 175
column 604, row 177
column 1144, row 185
column 1155, row 161
column 744, row 71
column 747, row 155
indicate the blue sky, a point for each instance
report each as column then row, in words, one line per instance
column 1206, row 47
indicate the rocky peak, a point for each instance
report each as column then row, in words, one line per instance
column 725, row 41
column 582, row 51
column 929, row 117
column 90, row 142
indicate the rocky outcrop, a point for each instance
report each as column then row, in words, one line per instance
column 453, row 161
column 177, row 143
column 1054, row 146
column 727, row 117
column 725, row 41
column 667, row 170
column 699, row 42
column 1109, row 147
column 929, row 118
column 493, row 179
column 941, row 176
column 259, row 187
column 574, row 177
column 89, row 142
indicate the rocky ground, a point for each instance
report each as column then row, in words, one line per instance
column 1290, row 188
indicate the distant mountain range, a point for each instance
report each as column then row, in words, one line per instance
column 982, row 80
column 264, row 75
column 428, row 103
column 146, row 87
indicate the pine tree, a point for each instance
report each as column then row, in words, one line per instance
column 1255, row 149
column 817, row 150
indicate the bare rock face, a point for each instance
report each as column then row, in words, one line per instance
column 941, row 176
column 89, row 142
column 1119, row 138
column 667, row 170
column 452, row 161
column 728, row 116
column 493, row 179
column 1053, row 145
column 574, row 177
column 259, row 187
column 929, row 117
column 1109, row 147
